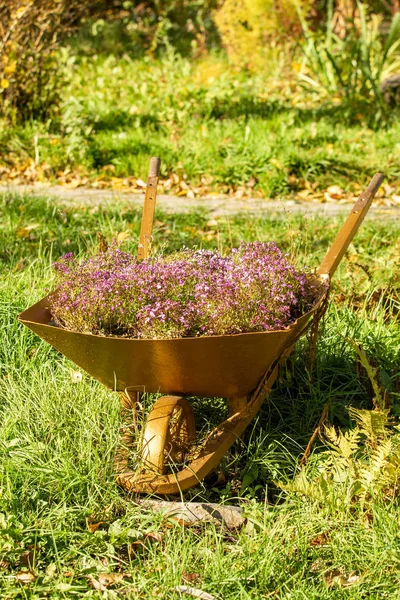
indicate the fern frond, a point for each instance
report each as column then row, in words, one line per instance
column 372, row 423
column 373, row 476
column 317, row 489
column 346, row 444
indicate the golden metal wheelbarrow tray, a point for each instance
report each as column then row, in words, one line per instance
column 241, row 368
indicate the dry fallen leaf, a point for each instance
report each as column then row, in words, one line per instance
column 185, row 589
column 94, row 526
column 335, row 191
column 104, row 580
column 123, row 235
column 27, row 558
column 153, row 537
column 304, row 193
column 95, row 584
column 26, row 577
column 68, row 574
column 75, row 183
column 189, row 577
column 212, row 223
column 107, row 579
column 336, row 578
column 140, row 545
column 25, row 231
column 51, row 570
column 319, row 540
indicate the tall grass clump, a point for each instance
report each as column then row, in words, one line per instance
column 351, row 68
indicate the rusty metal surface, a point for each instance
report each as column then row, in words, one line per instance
column 224, row 366
column 170, row 431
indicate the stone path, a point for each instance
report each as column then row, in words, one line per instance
column 213, row 206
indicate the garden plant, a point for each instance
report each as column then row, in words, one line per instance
column 191, row 293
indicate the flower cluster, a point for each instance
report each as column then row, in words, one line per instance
column 189, row 293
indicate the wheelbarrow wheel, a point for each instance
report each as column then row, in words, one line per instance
column 169, row 433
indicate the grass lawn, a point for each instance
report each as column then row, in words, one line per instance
column 58, row 433
column 216, row 129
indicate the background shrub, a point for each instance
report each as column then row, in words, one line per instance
column 30, row 34
column 249, row 27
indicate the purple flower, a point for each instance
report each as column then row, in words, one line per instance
column 189, row 293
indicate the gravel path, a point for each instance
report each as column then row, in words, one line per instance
column 218, row 206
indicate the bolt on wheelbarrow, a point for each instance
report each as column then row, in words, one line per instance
column 241, row 368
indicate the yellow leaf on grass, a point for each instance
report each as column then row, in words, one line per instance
column 4, row 83
column 276, row 163
column 123, row 235
column 11, row 68
column 20, row 11
column 25, row 231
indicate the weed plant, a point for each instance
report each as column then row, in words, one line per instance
column 65, row 523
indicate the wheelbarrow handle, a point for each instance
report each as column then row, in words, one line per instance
column 350, row 228
column 149, row 208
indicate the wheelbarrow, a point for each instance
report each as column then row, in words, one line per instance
column 241, row 368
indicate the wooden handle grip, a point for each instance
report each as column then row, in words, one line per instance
column 350, row 228
column 149, row 207
column 154, row 169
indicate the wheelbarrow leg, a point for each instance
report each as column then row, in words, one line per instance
column 236, row 405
